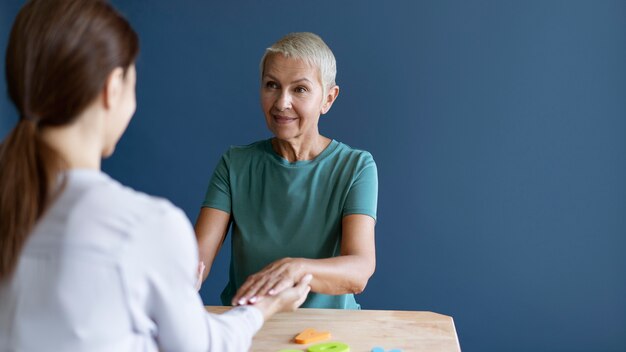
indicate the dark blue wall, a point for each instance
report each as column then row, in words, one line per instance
column 498, row 128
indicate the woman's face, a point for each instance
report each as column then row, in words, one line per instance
column 292, row 98
column 123, row 107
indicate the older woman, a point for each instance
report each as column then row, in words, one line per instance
column 299, row 202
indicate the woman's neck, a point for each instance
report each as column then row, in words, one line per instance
column 299, row 150
column 79, row 143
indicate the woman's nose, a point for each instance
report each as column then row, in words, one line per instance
column 283, row 102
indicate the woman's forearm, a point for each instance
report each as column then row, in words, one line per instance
column 346, row 273
column 350, row 271
column 338, row 275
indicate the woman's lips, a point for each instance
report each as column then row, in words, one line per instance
column 284, row 119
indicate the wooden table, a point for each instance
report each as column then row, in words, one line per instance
column 362, row 330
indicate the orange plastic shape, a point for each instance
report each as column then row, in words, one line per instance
column 311, row 335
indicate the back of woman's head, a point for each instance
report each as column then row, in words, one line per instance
column 59, row 56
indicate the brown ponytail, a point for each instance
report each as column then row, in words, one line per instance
column 27, row 169
column 59, row 56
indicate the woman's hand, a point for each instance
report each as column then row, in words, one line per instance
column 273, row 279
column 287, row 300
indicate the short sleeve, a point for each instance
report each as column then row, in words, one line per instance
column 362, row 196
column 218, row 193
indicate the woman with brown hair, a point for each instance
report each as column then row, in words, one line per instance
column 87, row 264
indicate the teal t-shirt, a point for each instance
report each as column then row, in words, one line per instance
column 290, row 209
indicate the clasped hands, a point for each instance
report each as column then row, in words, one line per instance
column 283, row 282
column 270, row 281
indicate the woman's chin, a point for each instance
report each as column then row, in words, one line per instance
column 283, row 135
column 107, row 152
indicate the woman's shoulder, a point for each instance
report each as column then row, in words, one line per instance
column 255, row 147
column 345, row 151
column 94, row 211
column 112, row 202
column 246, row 153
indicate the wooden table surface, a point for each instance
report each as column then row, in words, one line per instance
column 362, row 330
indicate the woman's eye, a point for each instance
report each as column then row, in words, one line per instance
column 301, row 90
column 271, row 84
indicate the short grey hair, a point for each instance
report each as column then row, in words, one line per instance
column 310, row 48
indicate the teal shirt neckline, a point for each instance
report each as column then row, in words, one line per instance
column 300, row 163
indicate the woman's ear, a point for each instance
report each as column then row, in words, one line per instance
column 113, row 88
column 329, row 99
